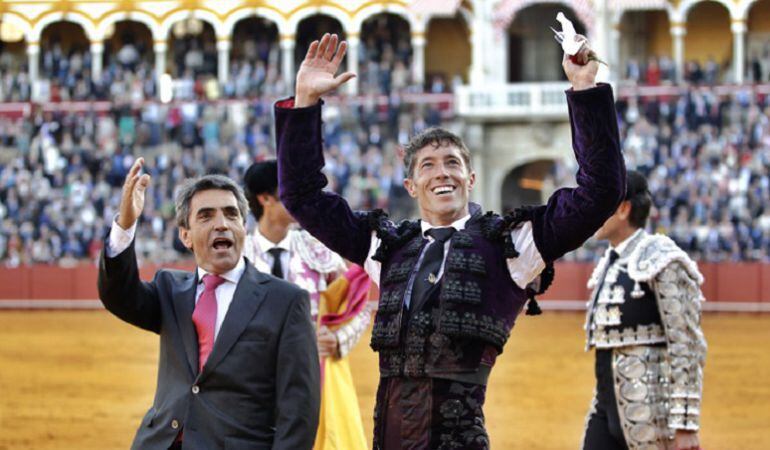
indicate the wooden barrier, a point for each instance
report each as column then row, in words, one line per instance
column 727, row 286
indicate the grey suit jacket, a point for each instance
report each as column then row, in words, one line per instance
column 260, row 387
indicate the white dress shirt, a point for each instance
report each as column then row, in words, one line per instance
column 622, row 246
column 120, row 240
column 260, row 245
column 523, row 269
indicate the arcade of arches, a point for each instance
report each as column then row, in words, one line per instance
column 202, row 43
column 526, row 185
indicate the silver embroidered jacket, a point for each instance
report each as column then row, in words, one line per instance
column 647, row 309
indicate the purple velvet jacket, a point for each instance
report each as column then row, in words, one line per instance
column 461, row 324
column 569, row 218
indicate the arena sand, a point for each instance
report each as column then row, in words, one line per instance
column 83, row 379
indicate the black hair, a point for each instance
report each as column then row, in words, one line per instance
column 437, row 137
column 192, row 186
column 638, row 193
column 260, row 178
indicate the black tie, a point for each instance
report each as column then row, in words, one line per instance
column 427, row 275
column 611, row 260
column 277, row 267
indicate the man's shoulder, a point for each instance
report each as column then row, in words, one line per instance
column 279, row 285
column 173, row 275
column 279, row 288
column 657, row 252
column 388, row 230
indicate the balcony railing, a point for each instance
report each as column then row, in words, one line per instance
column 512, row 101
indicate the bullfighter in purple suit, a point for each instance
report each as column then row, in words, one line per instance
column 453, row 282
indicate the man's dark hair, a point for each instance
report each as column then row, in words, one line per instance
column 437, row 137
column 260, row 178
column 192, row 186
column 638, row 193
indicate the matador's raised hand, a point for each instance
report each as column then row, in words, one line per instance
column 316, row 76
column 132, row 200
column 581, row 69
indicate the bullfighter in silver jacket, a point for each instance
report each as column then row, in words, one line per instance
column 643, row 319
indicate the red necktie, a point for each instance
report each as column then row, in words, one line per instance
column 205, row 317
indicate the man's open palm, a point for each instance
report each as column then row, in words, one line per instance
column 316, row 76
column 132, row 200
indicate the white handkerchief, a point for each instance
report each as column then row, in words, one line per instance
column 570, row 43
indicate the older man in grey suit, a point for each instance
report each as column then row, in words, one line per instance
column 238, row 356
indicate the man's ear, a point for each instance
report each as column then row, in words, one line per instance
column 184, row 236
column 471, row 180
column 624, row 210
column 410, row 187
column 265, row 199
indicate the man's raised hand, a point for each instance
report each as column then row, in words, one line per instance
column 316, row 76
column 132, row 200
column 581, row 69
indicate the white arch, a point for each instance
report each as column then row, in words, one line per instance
column 17, row 21
column 266, row 13
column 744, row 8
column 415, row 26
column 134, row 16
column 79, row 18
column 464, row 17
column 334, row 12
column 687, row 5
column 617, row 15
column 505, row 12
column 551, row 153
column 466, row 14
column 206, row 16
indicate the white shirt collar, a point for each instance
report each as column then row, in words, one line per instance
column 232, row 276
column 264, row 244
column 622, row 246
column 458, row 224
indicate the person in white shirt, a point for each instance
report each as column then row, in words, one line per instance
column 277, row 246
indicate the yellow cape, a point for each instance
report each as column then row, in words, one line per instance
column 339, row 425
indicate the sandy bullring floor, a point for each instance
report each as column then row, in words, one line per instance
column 82, row 380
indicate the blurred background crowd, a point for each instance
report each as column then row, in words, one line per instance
column 706, row 153
column 61, row 171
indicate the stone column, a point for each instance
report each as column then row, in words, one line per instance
column 616, row 71
column 354, row 43
column 97, row 53
column 223, row 62
column 477, row 53
column 160, row 48
column 738, row 28
column 418, row 59
column 678, row 32
column 33, row 59
column 601, row 37
column 479, row 32
column 287, row 60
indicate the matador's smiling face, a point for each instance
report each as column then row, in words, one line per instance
column 441, row 181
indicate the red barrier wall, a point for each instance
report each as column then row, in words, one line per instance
column 57, row 283
column 725, row 282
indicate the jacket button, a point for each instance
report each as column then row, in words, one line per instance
column 175, row 424
column 195, row 389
